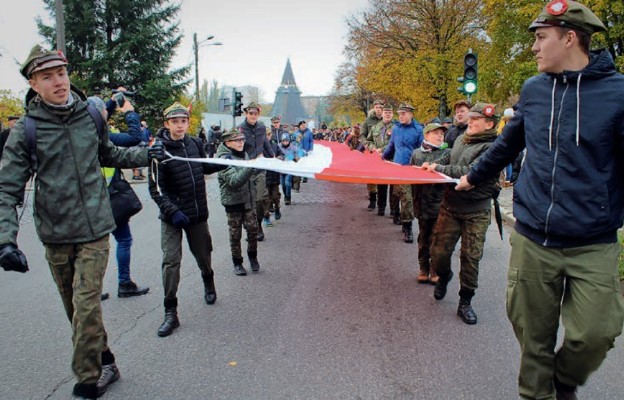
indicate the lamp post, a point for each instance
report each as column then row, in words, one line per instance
column 196, row 46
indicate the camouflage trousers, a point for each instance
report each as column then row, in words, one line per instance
column 404, row 192
column 371, row 188
column 78, row 271
column 395, row 199
column 236, row 222
column 472, row 228
column 580, row 285
column 274, row 197
column 200, row 244
column 296, row 182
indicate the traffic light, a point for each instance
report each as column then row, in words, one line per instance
column 470, row 78
column 238, row 104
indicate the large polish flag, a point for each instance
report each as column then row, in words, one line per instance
column 332, row 161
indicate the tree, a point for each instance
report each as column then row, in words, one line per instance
column 10, row 105
column 113, row 43
column 412, row 50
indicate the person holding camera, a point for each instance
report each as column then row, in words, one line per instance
column 133, row 137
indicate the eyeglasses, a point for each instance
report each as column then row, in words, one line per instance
column 241, row 140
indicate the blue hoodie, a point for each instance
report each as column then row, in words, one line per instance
column 570, row 191
column 403, row 141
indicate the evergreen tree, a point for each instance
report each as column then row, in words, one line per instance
column 113, row 43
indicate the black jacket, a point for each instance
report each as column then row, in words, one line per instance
column 256, row 141
column 453, row 133
column 570, row 191
column 181, row 184
column 272, row 177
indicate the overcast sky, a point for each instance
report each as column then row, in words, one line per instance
column 257, row 38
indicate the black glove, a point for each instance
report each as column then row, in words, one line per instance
column 157, row 151
column 361, row 148
column 179, row 219
column 12, row 259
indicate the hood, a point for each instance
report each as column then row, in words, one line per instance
column 600, row 65
column 223, row 150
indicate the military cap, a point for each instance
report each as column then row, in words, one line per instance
column 447, row 120
column 436, row 120
column 433, row 126
column 251, row 106
column 176, row 110
column 378, row 101
column 276, row 118
column 13, row 118
column 568, row 14
column 406, row 107
column 388, row 107
column 483, row 110
column 40, row 58
column 232, row 134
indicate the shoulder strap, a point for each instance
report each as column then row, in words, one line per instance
column 100, row 124
column 30, row 131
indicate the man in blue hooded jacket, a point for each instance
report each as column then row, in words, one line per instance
column 407, row 136
column 568, row 202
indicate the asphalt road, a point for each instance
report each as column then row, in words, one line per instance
column 335, row 313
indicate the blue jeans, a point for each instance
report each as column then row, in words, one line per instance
column 508, row 172
column 123, row 237
column 286, row 184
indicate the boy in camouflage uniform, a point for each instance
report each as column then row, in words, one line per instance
column 73, row 224
column 427, row 199
column 464, row 214
column 238, row 198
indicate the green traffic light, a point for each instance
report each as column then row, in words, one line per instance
column 470, row 87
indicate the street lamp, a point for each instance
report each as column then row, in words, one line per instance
column 196, row 46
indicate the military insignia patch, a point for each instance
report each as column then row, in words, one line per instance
column 557, row 7
column 488, row 111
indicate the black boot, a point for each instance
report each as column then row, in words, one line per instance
column 564, row 392
column 408, row 236
column 86, row 391
column 381, row 211
column 253, row 261
column 238, row 267
column 287, row 200
column 170, row 323
column 440, row 288
column 210, row 292
column 260, row 237
column 131, row 289
column 372, row 197
column 466, row 312
column 278, row 214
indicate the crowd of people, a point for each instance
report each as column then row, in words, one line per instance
column 568, row 200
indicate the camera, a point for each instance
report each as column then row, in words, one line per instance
column 119, row 96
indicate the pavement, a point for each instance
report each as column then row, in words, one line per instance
column 505, row 199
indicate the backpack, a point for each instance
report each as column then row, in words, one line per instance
column 30, row 131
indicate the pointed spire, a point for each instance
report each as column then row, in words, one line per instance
column 288, row 79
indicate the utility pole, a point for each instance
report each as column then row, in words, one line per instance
column 195, row 50
column 60, row 26
column 196, row 45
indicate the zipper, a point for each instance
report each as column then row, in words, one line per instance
column 554, row 168
column 192, row 179
column 77, row 171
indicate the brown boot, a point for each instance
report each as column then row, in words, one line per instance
column 423, row 276
column 433, row 277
